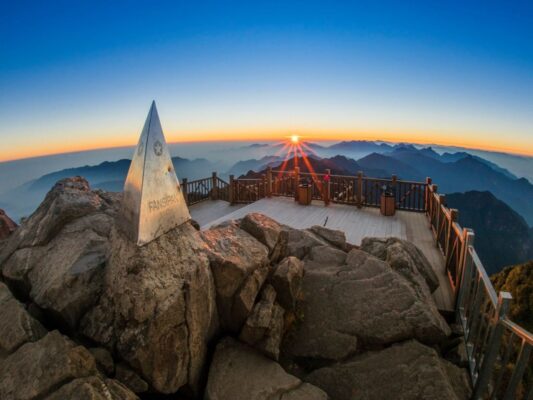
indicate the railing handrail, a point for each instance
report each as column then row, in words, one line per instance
column 222, row 180
column 491, row 292
column 518, row 330
column 365, row 177
column 198, row 180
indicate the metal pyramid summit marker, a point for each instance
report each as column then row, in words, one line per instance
column 153, row 202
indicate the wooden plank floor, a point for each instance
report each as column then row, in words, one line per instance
column 419, row 233
column 356, row 223
column 209, row 211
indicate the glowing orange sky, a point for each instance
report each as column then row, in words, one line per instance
column 83, row 143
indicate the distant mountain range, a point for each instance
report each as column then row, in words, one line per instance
column 338, row 165
column 469, row 173
column 109, row 176
column 253, row 165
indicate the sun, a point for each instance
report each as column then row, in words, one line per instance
column 295, row 138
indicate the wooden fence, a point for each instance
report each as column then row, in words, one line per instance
column 199, row 190
column 358, row 190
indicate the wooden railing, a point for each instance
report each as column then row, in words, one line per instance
column 243, row 191
column 499, row 351
column 358, row 190
column 199, row 190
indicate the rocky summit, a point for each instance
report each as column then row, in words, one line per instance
column 249, row 309
column 7, row 225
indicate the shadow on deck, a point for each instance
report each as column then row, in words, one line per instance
column 356, row 223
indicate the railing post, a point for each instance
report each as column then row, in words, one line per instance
column 394, row 180
column 522, row 362
column 440, row 203
column 426, row 195
column 214, row 188
column 434, row 191
column 262, row 186
column 360, row 189
column 269, row 182
column 231, row 194
column 453, row 217
column 493, row 346
column 327, row 189
column 184, row 190
column 465, row 274
column 296, row 182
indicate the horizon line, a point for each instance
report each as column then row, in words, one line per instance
column 260, row 141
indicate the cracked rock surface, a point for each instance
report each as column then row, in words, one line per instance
column 360, row 299
column 239, row 372
column 158, row 308
column 406, row 371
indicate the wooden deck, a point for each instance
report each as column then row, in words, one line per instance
column 356, row 223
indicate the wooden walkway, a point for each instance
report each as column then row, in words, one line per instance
column 356, row 223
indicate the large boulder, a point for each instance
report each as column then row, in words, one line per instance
column 38, row 368
column 284, row 241
column 326, row 255
column 298, row 242
column 286, row 278
column 263, row 228
column 333, row 236
column 7, row 225
column 240, row 373
column 404, row 257
column 405, row 371
column 17, row 327
column 69, row 200
column 363, row 301
column 57, row 256
column 263, row 329
column 240, row 265
column 158, row 308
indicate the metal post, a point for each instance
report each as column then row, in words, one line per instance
column 465, row 276
column 493, row 346
column 231, row 196
column 360, row 189
column 519, row 369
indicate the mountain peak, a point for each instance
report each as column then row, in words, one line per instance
column 7, row 225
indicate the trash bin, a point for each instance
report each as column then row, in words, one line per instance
column 388, row 204
column 305, row 194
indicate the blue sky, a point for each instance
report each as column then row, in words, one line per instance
column 78, row 75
